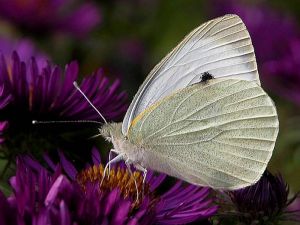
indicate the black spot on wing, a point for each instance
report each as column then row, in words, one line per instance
column 206, row 76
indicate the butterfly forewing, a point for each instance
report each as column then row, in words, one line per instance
column 219, row 134
column 221, row 47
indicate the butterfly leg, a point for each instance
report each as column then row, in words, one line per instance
column 114, row 160
column 144, row 170
column 128, row 163
column 109, row 158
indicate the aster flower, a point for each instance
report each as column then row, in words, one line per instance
column 50, row 90
column 47, row 93
column 42, row 197
column 276, row 39
column 264, row 203
column 40, row 16
column 180, row 204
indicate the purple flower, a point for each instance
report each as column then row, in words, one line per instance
column 276, row 39
column 42, row 197
column 180, row 204
column 26, row 50
column 47, row 93
column 40, row 16
column 265, row 202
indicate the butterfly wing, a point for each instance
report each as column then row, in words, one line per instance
column 220, row 134
column 221, row 47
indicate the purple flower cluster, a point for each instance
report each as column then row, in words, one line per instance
column 276, row 39
column 49, row 90
column 31, row 88
column 40, row 16
column 44, row 197
column 40, row 88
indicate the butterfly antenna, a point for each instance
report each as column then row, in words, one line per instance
column 81, row 92
column 65, row 121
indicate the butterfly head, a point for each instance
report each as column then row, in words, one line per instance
column 112, row 132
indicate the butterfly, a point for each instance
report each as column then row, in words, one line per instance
column 201, row 115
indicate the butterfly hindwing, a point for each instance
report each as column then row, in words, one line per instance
column 219, row 134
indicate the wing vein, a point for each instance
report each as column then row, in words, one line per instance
column 213, row 168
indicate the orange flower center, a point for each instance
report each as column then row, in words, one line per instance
column 118, row 178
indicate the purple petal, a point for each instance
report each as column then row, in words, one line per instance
column 59, row 186
column 68, row 166
column 96, row 156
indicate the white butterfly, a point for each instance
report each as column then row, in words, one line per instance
column 220, row 132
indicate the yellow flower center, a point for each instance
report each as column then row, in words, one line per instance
column 118, row 178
